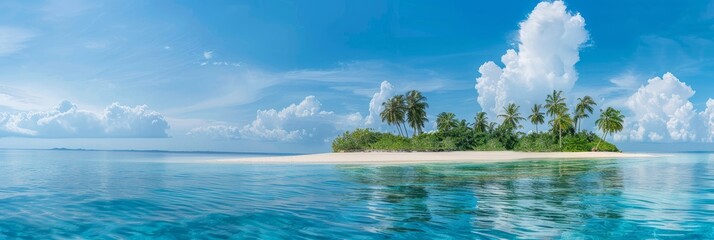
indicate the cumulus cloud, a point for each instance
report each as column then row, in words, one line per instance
column 549, row 41
column 386, row 90
column 304, row 120
column 708, row 118
column 661, row 111
column 67, row 121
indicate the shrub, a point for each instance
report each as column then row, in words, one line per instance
column 358, row 140
column 466, row 139
column 389, row 142
column 491, row 145
column 538, row 142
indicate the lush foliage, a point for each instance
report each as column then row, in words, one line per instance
column 403, row 110
column 454, row 134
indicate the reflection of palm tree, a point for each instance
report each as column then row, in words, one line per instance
column 556, row 193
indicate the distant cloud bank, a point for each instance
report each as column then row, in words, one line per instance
column 67, row 121
column 301, row 121
column 661, row 112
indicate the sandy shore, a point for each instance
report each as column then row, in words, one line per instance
column 423, row 157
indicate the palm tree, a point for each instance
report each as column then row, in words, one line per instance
column 561, row 121
column 610, row 121
column 583, row 110
column 400, row 102
column 492, row 126
column 445, row 121
column 511, row 117
column 393, row 112
column 416, row 111
column 462, row 125
column 554, row 103
column 481, row 122
column 536, row 116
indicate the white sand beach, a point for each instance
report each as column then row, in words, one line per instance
column 424, row 157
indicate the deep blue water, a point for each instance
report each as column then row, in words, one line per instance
column 135, row 195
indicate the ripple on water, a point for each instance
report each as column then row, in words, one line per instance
column 42, row 196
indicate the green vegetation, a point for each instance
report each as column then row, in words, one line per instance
column 453, row 134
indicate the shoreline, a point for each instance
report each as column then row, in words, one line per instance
column 388, row 158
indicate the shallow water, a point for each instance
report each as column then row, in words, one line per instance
column 78, row 194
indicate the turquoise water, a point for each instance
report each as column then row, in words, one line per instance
column 134, row 195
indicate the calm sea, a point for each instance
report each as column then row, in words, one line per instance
column 144, row 195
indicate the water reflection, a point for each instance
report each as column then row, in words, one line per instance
column 75, row 195
column 495, row 200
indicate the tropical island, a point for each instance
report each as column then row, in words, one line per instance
column 452, row 134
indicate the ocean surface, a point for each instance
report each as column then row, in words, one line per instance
column 153, row 195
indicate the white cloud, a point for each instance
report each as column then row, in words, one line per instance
column 246, row 84
column 301, row 121
column 661, row 111
column 241, row 87
column 13, row 39
column 626, row 80
column 217, row 131
column 549, row 41
column 386, row 90
column 61, row 9
column 66, row 121
column 208, row 55
column 708, row 117
column 359, row 77
column 19, row 99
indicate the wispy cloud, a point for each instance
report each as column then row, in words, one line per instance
column 14, row 39
column 363, row 77
column 61, row 9
column 17, row 99
column 208, row 55
column 246, row 84
column 237, row 88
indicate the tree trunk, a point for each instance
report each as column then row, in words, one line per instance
column 406, row 132
column 604, row 134
column 577, row 125
column 537, row 128
column 399, row 129
column 560, row 138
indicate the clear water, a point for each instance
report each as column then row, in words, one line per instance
column 90, row 195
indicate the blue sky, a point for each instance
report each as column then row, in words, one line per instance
column 287, row 76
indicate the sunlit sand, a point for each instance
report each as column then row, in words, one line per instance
column 424, row 157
